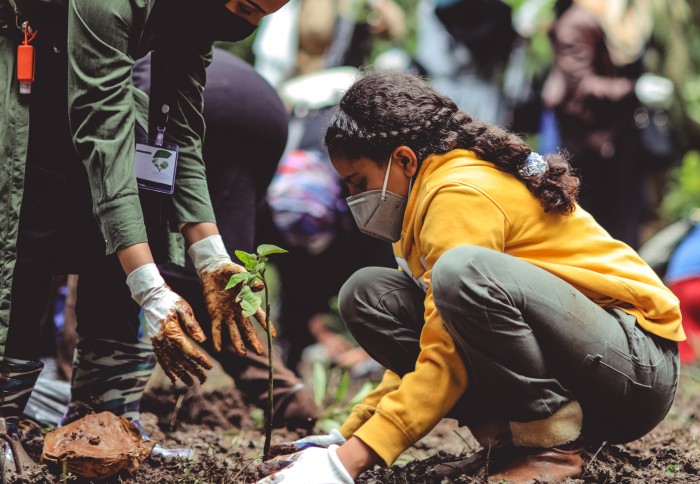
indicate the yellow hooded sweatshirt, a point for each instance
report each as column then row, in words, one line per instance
column 460, row 200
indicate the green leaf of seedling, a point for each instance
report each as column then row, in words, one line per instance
column 237, row 279
column 258, row 267
column 162, row 154
column 362, row 393
column 250, row 302
column 249, row 260
column 343, row 387
column 320, row 382
column 268, row 249
column 673, row 468
column 248, row 308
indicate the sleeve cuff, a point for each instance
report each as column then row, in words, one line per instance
column 384, row 437
column 121, row 223
column 192, row 203
column 360, row 414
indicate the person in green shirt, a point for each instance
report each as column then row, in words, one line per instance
column 70, row 198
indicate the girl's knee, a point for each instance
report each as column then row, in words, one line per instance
column 354, row 296
column 457, row 264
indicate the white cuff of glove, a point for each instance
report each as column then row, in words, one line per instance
column 208, row 254
column 144, row 282
column 337, row 467
column 325, row 440
column 149, row 290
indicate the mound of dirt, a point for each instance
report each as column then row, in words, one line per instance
column 96, row 446
column 220, row 409
column 218, row 425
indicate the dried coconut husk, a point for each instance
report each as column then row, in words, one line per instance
column 97, row 446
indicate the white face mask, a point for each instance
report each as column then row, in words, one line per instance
column 379, row 213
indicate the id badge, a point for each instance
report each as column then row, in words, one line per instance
column 155, row 166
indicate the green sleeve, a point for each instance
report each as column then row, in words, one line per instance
column 101, row 110
column 177, row 79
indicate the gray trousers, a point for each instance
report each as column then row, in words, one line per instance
column 531, row 343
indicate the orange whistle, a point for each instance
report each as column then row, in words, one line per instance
column 25, row 68
column 26, row 61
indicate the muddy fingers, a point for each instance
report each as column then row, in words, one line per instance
column 235, row 335
column 165, row 314
column 216, row 315
column 191, row 353
column 251, row 335
column 163, row 357
column 201, row 360
column 180, row 371
column 260, row 317
column 176, row 353
column 192, row 367
column 177, row 356
column 188, row 320
column 190, row 358
column 243, row 324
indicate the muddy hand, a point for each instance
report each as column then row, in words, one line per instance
column 165, row 314
column 215, row 268
column 176, row 354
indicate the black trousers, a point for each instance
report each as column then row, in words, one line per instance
column 57, row 231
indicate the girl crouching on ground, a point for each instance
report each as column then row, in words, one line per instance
column 512, row 311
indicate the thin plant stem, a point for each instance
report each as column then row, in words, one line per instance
column 268, row 420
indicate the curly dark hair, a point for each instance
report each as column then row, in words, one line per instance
column 384, row 110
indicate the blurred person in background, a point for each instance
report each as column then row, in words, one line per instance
column 310, row 35
column 306, row 213
column 683, row 277
column 463, row 46
column 305, row 210
column 598, row 49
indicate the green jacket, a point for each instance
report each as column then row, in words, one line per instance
column 103, row 39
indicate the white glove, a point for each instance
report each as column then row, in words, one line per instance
column 311, row 466
column 209, row 254
column 334, row 437
column 215, row 268
column 165, row 312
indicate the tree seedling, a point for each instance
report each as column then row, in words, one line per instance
column 255, row 264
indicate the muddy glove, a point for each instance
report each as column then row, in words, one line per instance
column 215, row 268
column 165, row 313
column 311, row 466
column 326, row 440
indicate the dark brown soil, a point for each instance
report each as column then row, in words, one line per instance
column 228, row 442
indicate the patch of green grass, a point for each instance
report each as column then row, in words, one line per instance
column 330, row 387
